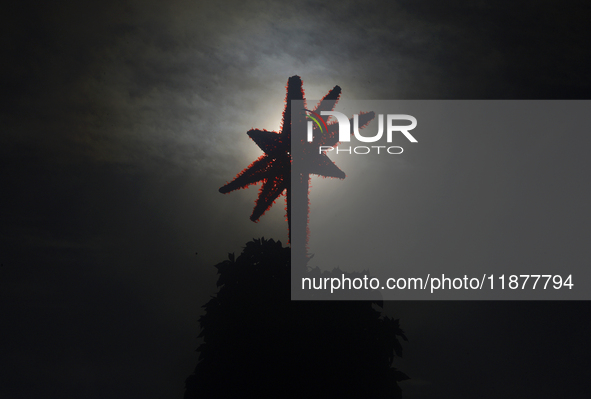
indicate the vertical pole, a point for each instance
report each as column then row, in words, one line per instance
column 298, row 193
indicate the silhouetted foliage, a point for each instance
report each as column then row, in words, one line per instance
column 258, row 343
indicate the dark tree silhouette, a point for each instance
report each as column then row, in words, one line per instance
column 258, row 343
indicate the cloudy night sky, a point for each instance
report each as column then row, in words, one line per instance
column 121, row 120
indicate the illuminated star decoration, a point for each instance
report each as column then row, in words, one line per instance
column 273, row 168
